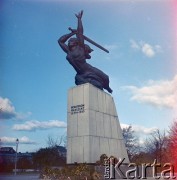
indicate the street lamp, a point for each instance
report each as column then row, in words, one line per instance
column 17, row 141
column 0, row 145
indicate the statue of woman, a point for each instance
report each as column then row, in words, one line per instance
column 77, row 53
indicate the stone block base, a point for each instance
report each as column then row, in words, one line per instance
column 93, row 127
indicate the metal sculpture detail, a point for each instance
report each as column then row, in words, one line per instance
column 77, row 54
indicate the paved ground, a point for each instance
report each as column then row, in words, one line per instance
column 36, row 177
column 19, row 177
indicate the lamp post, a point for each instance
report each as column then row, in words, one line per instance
column 0, row 145
column 17, row 141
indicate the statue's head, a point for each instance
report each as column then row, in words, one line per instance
column 73, row 42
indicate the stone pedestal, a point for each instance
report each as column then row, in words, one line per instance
column 93, row 127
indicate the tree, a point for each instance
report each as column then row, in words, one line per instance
column 46, row 157
column 172, row 145
column 6, row 165
column 131, row 142
column 156, row 146
column 24, row 163
column 52, row 142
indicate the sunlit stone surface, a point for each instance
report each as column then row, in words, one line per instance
column 93, row 126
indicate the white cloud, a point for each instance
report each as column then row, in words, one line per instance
column 12, row 141
column 124, row 125
column 36, row 125
column 134, row 44
column 141, row 130
column 141, row 141
column 146, row 48
column 158, row 93
column 158, row 48
column 7, row 110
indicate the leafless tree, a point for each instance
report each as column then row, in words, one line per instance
column 131, row 142
column 52, row 141
column 172, row 145
column 156, row 146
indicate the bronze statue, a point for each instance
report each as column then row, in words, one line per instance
column 77, row 53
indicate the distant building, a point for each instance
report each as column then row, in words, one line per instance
column 8, row 158
column 7, row 150
column 8, row 154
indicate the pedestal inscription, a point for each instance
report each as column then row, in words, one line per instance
column 93, row 127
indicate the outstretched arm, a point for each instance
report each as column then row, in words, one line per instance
column 80, row 29
column 63, row 39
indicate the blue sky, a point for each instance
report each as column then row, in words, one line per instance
column 35, row 76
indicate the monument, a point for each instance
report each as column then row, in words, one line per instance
column 93, row 126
